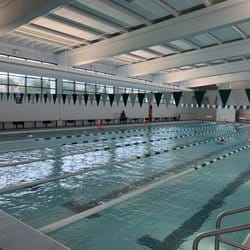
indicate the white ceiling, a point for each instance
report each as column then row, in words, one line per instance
column 185, row 43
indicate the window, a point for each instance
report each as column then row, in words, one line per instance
column 128, row 90
column 68, row 87
column 100, row 88
column 80, row 87
column 48, row 85
column 3, row 82
column 16, row 83
column 34, row 84
column 90, row 88
column 121, row 90
column 110, row 89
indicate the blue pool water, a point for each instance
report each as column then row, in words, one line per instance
column 126, row 161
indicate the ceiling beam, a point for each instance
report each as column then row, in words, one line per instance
column 216, row 80
column 228, row 68
column 217, row 15
column 206, row 55
column 18, row 12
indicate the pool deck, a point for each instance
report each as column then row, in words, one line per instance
column 39, row 130
column 16, row 235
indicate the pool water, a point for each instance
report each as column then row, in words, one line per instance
column 165, row 217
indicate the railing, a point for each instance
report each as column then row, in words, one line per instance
column 218, row 231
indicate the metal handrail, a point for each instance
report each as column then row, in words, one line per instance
column 219, row 220
column 222, row 231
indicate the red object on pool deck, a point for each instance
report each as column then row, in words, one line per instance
column 98, row 124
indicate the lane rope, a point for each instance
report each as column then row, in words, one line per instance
column 74, row 218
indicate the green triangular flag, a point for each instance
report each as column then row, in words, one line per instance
column 74, row 96
column 224, row 94
column 111, row 98
column 125, row 98
column 199, row 96
column 98, row 98
column 54, row 98
column 177, row 97
column 141, row 98
column 37, row 97
column 45, row 96
column 248, row 94
column 158, row 98
column 86, row 97
column 29, row 96
column 64, row 96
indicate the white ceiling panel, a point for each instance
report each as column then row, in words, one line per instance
column 148, row 9
column 37, row 31
column 33, row 37
column 129, row 58
column 226, row 34
column 144, row 54
column 184, row 4
column 66, row 28
column 182, row 44
column 245, row 27
column 163, row 49
column 115, row 11
column 86, row 19
column 203, row 40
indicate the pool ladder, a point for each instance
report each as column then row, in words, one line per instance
column 221, row 231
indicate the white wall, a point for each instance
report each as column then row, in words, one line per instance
column 31, row 111
column 10, row 111
column 225, row 115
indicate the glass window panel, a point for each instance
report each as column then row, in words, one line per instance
column 16, row 89
column 110, row 89
column 128, row 90
column 100, row 88
column 121, row 90
column 90, row 88
column 68, row 91
column 68, row 85
column 3, row 78
column 31, row 90
column 34, row 82
column 3, row 88
column 49, row 82
column 15, row 79
column 48, row 91
column 79, row 87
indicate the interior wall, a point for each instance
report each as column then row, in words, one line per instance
column 225, row 115
column 243, row 115
column 40, row 111
column 28, row 111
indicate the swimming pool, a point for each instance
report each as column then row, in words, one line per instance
column 46, row 177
